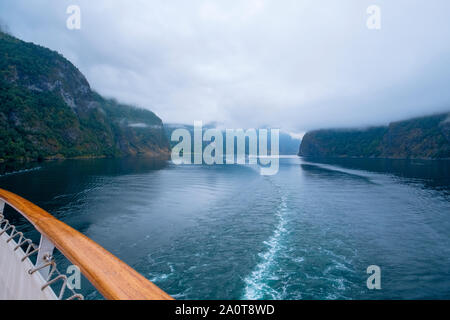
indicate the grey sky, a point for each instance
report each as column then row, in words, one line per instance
column 294, row 64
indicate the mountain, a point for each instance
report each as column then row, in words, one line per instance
column 419, row 138
column 288, row 144
column 48, row 110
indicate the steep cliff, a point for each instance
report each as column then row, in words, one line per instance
column 425, row 138
column 48, row 110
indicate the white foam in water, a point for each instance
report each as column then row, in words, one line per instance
column 163, row 276
column 256, row 283
column 19, row 171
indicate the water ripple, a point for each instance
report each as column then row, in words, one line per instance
column 257, row 283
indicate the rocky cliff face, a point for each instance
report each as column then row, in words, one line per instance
column 48, row 110
column 420, row 138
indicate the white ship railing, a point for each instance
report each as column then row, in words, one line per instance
column 113, row 278
column 24, row 249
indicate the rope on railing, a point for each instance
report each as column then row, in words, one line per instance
column 54, row 275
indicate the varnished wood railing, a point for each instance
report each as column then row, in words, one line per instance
column 112, row 277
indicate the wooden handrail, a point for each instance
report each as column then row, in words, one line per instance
column 112, row 277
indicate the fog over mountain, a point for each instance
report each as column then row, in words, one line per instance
column 298, row 65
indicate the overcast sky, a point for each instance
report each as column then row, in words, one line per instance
column 294, row 64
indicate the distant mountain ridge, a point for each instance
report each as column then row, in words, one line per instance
column 419, row 138
column 48, row 110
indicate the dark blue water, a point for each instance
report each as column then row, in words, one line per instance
column 225, row 232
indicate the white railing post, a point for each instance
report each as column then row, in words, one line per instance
column 45, row 253
column 2, row 207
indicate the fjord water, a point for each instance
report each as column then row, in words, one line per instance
column 226, row 232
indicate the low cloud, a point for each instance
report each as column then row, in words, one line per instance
column 298, row 65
